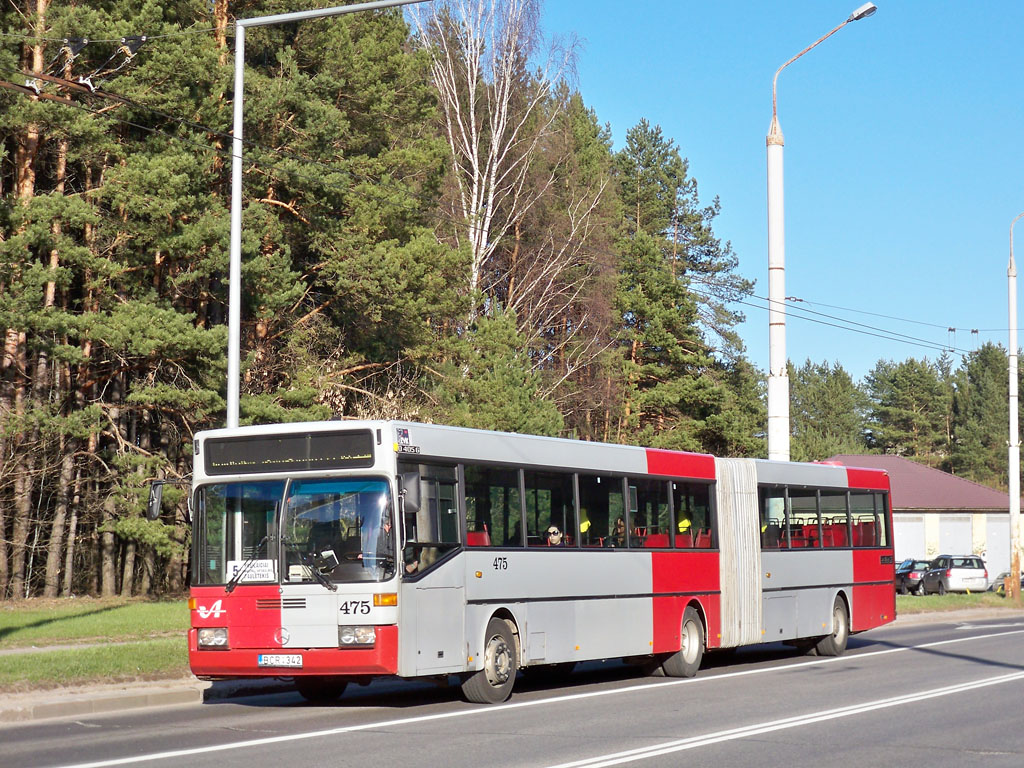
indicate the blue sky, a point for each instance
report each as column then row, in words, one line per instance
column 904, row 155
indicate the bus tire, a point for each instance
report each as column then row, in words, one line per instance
column 835, row 644
column 319, row 688
column 686, row 661
column 493, row 684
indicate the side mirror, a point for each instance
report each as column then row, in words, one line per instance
column 156, row 495
column 411, row 491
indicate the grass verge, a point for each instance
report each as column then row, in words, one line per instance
column 84, row 620
column 163, row 658
column 909, row 604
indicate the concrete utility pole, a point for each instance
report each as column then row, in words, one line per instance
column 1013, row 588
column 235, row 264
column 778, row 378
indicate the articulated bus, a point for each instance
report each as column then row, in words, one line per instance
column 338, row 552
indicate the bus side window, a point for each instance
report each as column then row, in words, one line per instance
column 773, row 518
column 550, row 503
column 834, row 519
column 648, row 512
column 432, row 530
column 493, row 507
column 601, row 507
column 692, row 505
column 804, row 523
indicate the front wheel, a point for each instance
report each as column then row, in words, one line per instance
column 835, row 644
column 686, row 661
column 920, row 589
column 493, row 684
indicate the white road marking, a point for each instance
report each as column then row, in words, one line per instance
column 617, row 758
column 991, row 626
column 497, row 709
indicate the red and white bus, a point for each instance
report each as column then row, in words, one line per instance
column 337, row 552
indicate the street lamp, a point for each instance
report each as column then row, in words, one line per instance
column 235, row 263
column 778, row 379
column 1013, row 588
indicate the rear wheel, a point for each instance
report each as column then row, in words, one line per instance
column 493, row 684
column 320, row 688
column 835, row 644
column 942, row 588
column 686, row 661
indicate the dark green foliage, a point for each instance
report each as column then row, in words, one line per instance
column 908, row 409
column 981, row 417
column 593, row 316
column 826, row 412
column 489, row 382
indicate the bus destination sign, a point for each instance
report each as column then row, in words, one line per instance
column 289, row 453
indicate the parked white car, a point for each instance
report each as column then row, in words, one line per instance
column 955, row 573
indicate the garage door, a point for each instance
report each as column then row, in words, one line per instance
column 908, row 536
column 955, row 535
column 997, row 544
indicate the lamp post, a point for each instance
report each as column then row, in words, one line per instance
column 1014, row 469
column 778, row 379
column 235, row 263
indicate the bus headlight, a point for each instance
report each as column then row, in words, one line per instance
column 213, row 637
column 349, row 637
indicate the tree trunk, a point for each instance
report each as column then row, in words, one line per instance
column 69, row 554
column 108, row 552
column 128, row 572
column 54, row 548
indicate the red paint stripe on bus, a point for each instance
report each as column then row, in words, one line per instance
column 873, row 479
column 687, row 572
column 873, row 603
column 678, row 464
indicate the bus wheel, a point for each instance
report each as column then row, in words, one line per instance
column 686, row 661
column 835, row 644
column 493, row 684
column 320, row 688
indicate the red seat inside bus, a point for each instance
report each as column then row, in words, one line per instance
column 656, row 540
column 478, row 538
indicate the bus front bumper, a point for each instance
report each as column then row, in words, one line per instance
column 381, row 659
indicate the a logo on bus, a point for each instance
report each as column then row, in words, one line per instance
column 214, row 610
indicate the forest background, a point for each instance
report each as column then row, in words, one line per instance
column 436, row 228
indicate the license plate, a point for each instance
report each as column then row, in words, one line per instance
column 279, row 660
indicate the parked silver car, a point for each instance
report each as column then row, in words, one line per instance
column 955, row 573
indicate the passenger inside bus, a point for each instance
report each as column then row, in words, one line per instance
column 555, row 537
column 618, row 535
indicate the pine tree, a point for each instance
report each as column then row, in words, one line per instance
column 908, row 410
column 827, row 412
column 981, row 416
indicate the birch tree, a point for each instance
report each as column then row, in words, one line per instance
column 493, row 114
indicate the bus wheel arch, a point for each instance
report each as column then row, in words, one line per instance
column 834, row 644
column 493, row 683
column 692, row 643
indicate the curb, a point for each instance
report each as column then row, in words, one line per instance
column 95, row 700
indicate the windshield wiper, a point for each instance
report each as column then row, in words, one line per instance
column 310, row 562
column 230, row 586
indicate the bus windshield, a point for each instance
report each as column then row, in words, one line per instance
column 341, row 527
